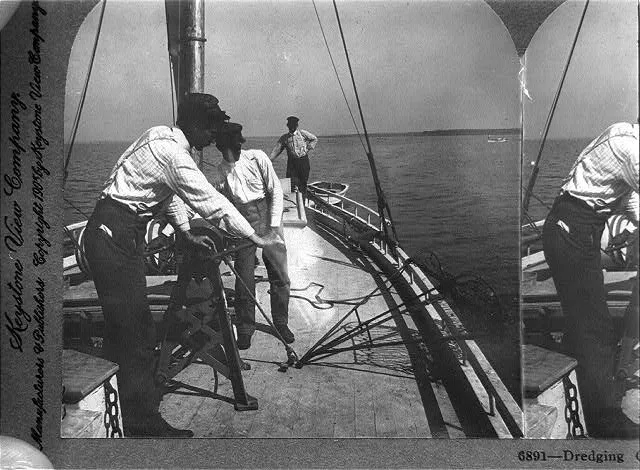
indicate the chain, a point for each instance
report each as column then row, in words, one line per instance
column 111, row 413
column 572, row 410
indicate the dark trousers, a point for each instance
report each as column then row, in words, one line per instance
column 298, row 170
column 117, row 267
column 571, row 241
column 275, row 260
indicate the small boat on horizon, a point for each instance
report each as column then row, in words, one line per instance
column 383, row 352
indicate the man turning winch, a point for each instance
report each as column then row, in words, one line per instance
column 601, row 182
column 145, row 181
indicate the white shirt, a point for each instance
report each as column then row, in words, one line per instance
column 251, row 178
column 298, row 143
column 605, row 175
column 157, row 167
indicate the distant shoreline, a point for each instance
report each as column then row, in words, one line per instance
column 495, row 132
column 436, row 133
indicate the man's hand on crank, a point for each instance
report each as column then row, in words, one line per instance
column 619, row 241
column 203, row 241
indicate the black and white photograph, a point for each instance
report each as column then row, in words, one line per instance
column 384, row 306
column 319, row 233
column 580, row 218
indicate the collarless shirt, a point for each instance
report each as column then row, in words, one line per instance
column 297, row 143
column 605, row 175
column 251, row 178
column 158, row 167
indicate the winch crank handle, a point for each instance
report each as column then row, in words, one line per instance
column 225, row 253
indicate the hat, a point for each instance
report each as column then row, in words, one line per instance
column 292, row 119
column 201, row 108
column 227, row 131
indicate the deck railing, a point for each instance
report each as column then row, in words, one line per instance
column 502, row 409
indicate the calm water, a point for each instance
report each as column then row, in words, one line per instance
column 557, row 158
column 457, row 196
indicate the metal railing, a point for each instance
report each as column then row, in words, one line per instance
column 503, row 411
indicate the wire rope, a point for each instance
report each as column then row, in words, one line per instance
column 547, row 126
column 83, row 95
column 353, row 119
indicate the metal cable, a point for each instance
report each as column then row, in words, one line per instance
column 83, row 96
column 338, row 77
column 536, row 169
column 382, row 203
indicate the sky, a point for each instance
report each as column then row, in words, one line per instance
column 601, row 86
column 418, row 65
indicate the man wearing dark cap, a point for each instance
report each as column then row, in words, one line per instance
column 145, row 181
column 298, row 143
column 248, row 179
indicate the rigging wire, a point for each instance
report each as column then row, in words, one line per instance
column 80, row 211
column 174, row 85
column 83, row 95
column 353, row 119
column 382, row 203
column 536, row 167
column 173, row 101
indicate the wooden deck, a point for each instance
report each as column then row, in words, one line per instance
column 353, row 394
column 543, row 322
column 403, row 390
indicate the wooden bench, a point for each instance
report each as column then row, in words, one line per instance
column 88, row 382
column 545, row 374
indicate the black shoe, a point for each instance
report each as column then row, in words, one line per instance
column 244, row 341
column 286, row 333
column 154, row 426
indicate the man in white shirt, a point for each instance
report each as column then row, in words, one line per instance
column 601, row 182
column 248, row 179
column 153, row 176
column 298, row 143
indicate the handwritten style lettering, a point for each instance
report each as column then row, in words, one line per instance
column 18, row 322
column 13, row 180
column 14, row 239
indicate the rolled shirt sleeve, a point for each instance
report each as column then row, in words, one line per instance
column 187, row 181
column 625, row 148
column 311, row 139
column 277, row 149
column 178, row 214
column 272, row 188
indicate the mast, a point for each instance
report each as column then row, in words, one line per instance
column 186, row 38
column 192, row 63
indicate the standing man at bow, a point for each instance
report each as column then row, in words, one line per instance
column 298, row 144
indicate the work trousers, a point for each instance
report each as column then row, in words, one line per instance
column 275, row 260
column 571, row 241
column 114, row 245
column 298, row 170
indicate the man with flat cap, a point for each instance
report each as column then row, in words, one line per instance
column 248, row 179
column 155, row 175
column 298, row 144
